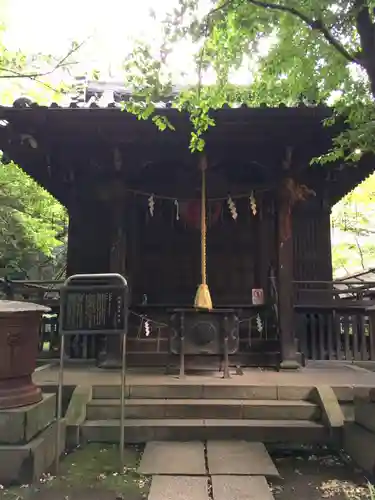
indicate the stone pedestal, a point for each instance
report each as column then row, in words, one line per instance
column 21, row 425
column 27, row 441
column 19, row 338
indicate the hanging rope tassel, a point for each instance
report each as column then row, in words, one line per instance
column 203, row 296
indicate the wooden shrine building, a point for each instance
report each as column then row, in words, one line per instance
column 133, row 195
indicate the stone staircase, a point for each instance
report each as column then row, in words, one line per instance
column 186, row 412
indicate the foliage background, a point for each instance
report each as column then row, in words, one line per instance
column 353, row 230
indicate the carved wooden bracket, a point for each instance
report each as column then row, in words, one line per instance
column 291, row 193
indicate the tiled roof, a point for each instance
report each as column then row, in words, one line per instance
column 110, row 94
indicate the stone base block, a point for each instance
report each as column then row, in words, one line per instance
column 26, row 463
column 364, row 414
column 359, row 443
column 21, row 425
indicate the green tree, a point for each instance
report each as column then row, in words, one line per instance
column 32, row 223
column 353, row 229
column 317, row 51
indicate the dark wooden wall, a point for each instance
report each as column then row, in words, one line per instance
column 163, row 254
column 312, row 242
column 166, row 260
column 89, row 236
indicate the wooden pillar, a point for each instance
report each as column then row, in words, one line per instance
column 266, row 232
column 74, row 236
column 259, row 246
column 88, row 250
column 111, row 357
column 87, row 236
column 285, row 279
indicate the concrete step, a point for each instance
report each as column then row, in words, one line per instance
column 273, row 409
column 221, row 390
column 267, row 431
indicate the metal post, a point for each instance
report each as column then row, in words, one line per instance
column 182, row 346
column 226, row 353
column 59, row 406
column 182, row 357
column 122, row 402
column 226, row 358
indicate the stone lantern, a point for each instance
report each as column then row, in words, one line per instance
column 19, row 338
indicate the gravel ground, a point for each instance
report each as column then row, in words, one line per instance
column 92, row 474
column 310, row 476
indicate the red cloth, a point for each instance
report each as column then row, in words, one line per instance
column 191, row 213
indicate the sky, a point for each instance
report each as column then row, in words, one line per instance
column 111, row 29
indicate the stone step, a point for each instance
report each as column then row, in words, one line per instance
column 103, row 409
column 267, row 431
column 222, row 390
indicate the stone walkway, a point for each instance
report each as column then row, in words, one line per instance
column 333, row 373
column 220, row 470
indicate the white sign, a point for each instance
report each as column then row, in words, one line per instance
column 257, row 296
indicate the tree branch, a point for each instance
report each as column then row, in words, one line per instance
column 365, row 28
column 314, row 24
column 17, row 74
column 61, row 63
column 361, row 256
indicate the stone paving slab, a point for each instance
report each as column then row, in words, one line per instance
column 240, row 488
column 175, row 458
column 239, row 458
column 179, row 488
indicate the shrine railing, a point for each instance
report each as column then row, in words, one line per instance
column 339, row 332
column 335, row 320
